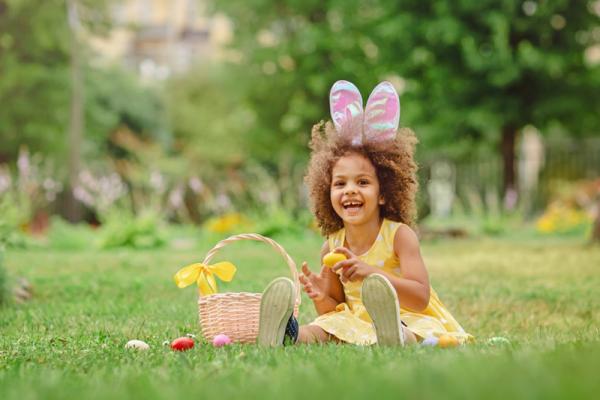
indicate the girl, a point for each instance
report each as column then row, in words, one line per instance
column 362, row 184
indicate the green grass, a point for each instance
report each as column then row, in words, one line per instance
column 68, row 341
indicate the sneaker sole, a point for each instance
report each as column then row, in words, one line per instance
column 381, row 301
column 276, row 307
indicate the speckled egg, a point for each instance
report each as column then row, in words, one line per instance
column 137, row 344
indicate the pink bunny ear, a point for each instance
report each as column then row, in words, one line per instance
column 382, row 114
column 345, row 104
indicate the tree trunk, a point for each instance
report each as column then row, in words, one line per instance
column 73, row 207
column 509, row 173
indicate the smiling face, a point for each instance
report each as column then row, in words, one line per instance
column 355, row 190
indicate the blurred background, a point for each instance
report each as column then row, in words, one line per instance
column 140, row 123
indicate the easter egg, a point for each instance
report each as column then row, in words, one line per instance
column 330, row 259
column 137, row 344
column 182, row 344
column 221, row 340
column 430, row 341
column 446, row 341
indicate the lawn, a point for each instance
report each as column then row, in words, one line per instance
column 68, row 341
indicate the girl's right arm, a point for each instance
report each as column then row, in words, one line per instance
column 325, row 289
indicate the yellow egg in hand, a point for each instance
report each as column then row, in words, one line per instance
column 330, row 259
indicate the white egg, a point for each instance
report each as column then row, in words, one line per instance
column 430, row 341
column 137, row 344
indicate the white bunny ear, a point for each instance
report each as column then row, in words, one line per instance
column 382, row 114
column 345, row 105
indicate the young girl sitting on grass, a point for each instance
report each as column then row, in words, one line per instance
column 362, row 184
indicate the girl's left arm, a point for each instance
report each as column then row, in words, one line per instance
column 413, row 287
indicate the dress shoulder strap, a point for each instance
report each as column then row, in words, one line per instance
column 336, row 239
column 388, row 231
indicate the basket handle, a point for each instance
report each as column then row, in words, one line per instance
column 260, row 238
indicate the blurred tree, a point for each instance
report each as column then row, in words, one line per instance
column 53, row 100
column 35, row 50
column 76, row 110
column 482, row 70
column 115, row 98
column 284, row 58
column 35, row 84
column 208, row 117
column 34, row 57
column 471, row 73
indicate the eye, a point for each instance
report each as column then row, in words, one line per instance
column 363, row 182
column 338, row 183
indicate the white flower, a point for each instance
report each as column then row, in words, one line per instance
column 5, row 181
column 176, row 198
column 83, row 196
column 23, row 163
column 196, row 184
column 157, row 181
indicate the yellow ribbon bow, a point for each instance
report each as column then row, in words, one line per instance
column 204, row 275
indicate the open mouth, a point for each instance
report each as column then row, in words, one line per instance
column 353, row 205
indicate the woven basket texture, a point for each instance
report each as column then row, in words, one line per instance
column 236, row 314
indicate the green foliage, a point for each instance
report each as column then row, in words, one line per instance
column 34, row 67
column 464, row 70
column 282, row 223
column 35, row 44
column 209, row 119
column 25, row 191
column 3, row 279
column 12, row 220
column 141, row 231
column 114, row 99
column 490, row 65
column 62, row 235
column 286, row 57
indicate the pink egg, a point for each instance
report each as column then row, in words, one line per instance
column 221, row 340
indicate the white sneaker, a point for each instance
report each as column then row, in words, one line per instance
column 381, row 301
column 276, row 307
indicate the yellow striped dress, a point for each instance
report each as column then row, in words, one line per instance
column 350, row 321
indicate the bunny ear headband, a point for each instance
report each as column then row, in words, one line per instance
column 379, row 121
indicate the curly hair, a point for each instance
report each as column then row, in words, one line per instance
column 393, row 161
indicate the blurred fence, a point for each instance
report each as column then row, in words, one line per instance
column 477, row 183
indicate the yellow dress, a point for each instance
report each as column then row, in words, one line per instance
column 350, row 321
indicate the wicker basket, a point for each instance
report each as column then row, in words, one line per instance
column 236, row 314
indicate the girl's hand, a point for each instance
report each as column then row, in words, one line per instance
column 315, row 286
column 352, row 269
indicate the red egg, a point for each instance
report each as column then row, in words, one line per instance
column 182, row 344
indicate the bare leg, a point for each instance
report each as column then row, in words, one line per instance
column 313, row 334
column 409, row 337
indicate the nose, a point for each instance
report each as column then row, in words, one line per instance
column 350, row 189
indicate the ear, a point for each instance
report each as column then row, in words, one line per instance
column 381, row 200
column 345, row 106
column 382, row 114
